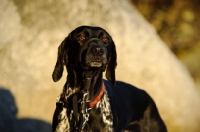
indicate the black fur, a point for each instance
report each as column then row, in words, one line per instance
column 87, row 52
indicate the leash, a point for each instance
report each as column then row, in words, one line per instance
column 84, row 109
column 81, row 118
column 87, row 105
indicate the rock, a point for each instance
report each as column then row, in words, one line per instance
column 9, row 29
column 29, row 56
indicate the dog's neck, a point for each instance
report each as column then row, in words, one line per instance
column 81, row 78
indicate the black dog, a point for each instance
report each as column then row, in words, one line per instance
column 89, row 103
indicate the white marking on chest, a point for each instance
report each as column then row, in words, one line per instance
column 104, row 106
column 63, row 125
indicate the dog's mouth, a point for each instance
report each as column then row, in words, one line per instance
column 94, row 56
column 95, row 64
column 96, row 61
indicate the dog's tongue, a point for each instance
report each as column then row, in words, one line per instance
column 95, row 64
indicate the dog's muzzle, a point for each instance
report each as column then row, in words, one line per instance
column 94, row 54
column 97, row 59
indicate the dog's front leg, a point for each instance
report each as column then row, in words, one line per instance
column 60, row 121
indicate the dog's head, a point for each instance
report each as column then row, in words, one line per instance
column 86, row 48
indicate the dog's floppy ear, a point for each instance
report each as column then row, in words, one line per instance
column 112, row 63
column 62, row 60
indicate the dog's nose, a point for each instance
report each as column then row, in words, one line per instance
column 97, row 50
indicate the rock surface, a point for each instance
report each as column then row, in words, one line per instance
column 31, row 31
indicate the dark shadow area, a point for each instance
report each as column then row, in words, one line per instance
column 8, row 120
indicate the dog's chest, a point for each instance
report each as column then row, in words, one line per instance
column 101, row 115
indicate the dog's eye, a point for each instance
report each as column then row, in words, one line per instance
column 81, row 38
column 105, row 39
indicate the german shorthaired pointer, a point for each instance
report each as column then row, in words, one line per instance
column 90, row 104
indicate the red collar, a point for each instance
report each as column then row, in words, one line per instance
column 94, row 102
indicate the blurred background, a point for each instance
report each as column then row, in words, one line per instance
column 178, row 24
column 158, row 49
